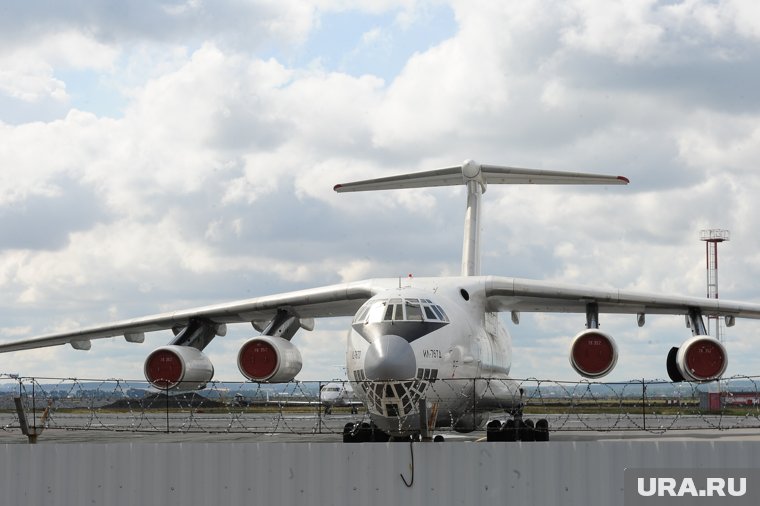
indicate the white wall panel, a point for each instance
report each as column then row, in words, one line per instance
column 140, row 474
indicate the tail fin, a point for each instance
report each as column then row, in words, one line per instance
column 476, row 177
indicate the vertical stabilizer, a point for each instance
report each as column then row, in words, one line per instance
column 476, row 177
column 471, row 242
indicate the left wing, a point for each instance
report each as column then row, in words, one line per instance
column 334, row 300
column 593, row 353
column 514, row 294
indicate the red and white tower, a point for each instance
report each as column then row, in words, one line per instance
column 712, row 238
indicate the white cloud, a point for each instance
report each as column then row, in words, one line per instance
column 624, row 30
column 746, row 17
column 30, row 80
column 216, row 181
column 28, row 72
column 719, row 18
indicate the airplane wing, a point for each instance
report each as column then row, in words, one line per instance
column 328, row 301
column 513, row 294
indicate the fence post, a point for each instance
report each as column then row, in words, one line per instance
column 644, row 401
column 474, row 401
column 319, row 406
column 34, row 405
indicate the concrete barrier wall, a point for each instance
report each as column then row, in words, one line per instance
column 554, row 473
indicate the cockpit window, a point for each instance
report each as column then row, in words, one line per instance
column 441, row 314
column 376, row 311
column 413, row 310
column 362, row 313
column 397, row 309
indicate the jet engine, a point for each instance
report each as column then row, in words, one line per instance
column 700, row 358
column 593, row 353
column 176, row 367
column 269, row 358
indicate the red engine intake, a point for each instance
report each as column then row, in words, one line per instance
column 271, row 359
column 593, row 353
column 178, row 368
column 701, row 358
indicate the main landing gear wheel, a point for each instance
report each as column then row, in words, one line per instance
column 517, row 430
column 363, row 432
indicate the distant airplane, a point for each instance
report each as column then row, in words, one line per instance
column 339, row 394
column 335, row 394
column 422, row 352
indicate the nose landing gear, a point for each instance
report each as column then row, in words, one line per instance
column 517, row 430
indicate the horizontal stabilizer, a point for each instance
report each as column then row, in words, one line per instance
column 441, row 177
column 514, row 175
column 484, row 174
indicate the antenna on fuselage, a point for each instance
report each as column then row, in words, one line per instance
column 476, row 178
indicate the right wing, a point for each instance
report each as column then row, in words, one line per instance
column 328, row 301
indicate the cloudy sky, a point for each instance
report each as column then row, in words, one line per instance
column 159, row 154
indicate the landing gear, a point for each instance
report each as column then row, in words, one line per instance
column 363, row 432
column 517, row 430
column 329, row 409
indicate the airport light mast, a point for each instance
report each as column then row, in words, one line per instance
column 711, row 238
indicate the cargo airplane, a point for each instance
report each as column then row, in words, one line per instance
column 421, row 352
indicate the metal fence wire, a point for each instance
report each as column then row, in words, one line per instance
column 245, row 407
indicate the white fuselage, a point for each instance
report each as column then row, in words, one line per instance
column 440, row 347
column 337, row 394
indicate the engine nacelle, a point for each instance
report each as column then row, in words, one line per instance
column 269, row 358
column 699, row 359
column 593, row 353
column 175, row 367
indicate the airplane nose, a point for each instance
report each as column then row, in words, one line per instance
column 390, row 358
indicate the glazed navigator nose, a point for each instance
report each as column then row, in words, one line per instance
column 390, row 358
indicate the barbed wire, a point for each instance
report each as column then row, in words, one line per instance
column 654, row 406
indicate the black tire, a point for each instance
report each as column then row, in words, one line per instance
column 493, row 431
column 350, row 433
column 542, row 430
